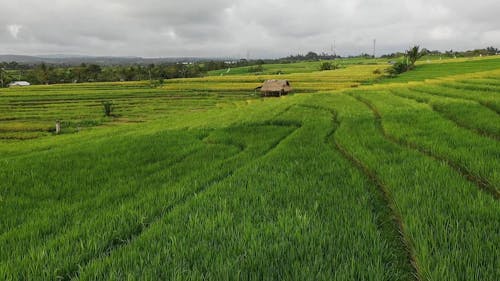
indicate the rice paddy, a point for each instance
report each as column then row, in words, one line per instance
column 352, row 177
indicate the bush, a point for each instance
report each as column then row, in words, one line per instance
column 257, row 68
column 399, row 67
column 328, row 66
column 156, row 83
column 108, row 108
column 325, row 66
column 408, row 62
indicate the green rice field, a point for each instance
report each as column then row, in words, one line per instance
column 354, row 176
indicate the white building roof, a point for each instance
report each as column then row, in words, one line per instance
column 19, row 83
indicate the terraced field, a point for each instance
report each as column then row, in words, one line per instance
column 27, row 113
column 340, row 181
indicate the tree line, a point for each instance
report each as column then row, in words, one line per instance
column 489, row 51
column 53, row 74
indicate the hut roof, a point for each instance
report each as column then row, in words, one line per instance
column 276, row 86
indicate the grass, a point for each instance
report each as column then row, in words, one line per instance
column 486, row 122
column 201, row 179
column 27, row 113
column 242, row 203
column 433, row 69
column 418, row 125
column 296, row 67
column 446, row 218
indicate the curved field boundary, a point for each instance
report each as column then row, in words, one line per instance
column 479, row 182
column 124, row 241
column 461, row 85
column 383, row 198
column 72, row 266
column 147, row 171
column 169, row 163
column 73, row 207
column 475, row 130
column 481, row 102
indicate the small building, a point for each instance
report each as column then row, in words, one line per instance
column 275, row 88
column 19, row 84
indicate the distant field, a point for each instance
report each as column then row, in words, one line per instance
column 298, row 67
column 353, row 177
column 31, row 112
column 437, row 69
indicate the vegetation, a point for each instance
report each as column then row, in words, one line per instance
column 201, row 179
column 488, row 51
column 30, row 112
column 257, row 68
column 443, row 68
column 329, row 66
column 44, row 73
column 108, row 108
column 413, row 54
column 408, row 62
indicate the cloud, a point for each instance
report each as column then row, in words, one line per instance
column 442, row 33
column 14, row 30
column 265, row 28
column 490, row 37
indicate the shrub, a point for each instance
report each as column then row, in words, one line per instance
column 325, row 66
column 156, row 83
column 108, row 108
column 408, row 63
column 257, row 68
column 328, row 66
column 399, row 67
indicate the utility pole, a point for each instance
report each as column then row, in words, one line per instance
column 1, row 75
column 374, row 47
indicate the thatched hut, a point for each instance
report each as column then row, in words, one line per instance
column 275, row 88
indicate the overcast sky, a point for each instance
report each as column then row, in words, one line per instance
column 262, row 28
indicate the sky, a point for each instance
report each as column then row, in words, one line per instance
column 243, row 28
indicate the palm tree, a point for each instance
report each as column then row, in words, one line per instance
column 413, row 55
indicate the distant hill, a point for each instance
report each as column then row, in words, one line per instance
column 101, row 60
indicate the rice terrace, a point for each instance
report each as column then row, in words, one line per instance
column 309, row 167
